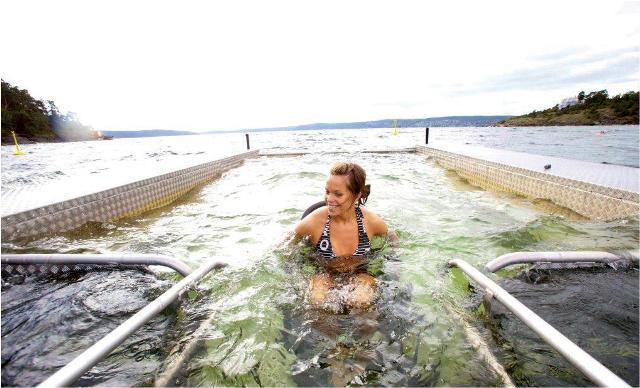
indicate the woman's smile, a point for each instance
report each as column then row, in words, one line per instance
column 338, row 197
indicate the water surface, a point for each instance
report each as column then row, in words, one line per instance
column 250, row 324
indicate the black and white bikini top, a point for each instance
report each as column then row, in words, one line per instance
column 323, row 247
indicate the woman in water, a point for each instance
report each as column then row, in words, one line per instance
column 341, row 233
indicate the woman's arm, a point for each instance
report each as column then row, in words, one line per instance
column 311, row 225
column 393, row 238
column 303, row 228
column 379, row 228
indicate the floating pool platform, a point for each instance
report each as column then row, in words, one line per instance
column 27, row 216
column 593, row 190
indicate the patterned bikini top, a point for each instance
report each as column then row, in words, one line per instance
column 323, row 247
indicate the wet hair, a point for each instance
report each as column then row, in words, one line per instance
column 356, row 178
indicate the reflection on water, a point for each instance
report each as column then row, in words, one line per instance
column 597, row 309
column 356, row 345
column 385, row 344
column 46, row 322
column 250, row 323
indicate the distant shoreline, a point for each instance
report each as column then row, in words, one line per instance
column 109, row 135
column 159, row 133
column 446, row 121
column 37, row 140
column 594, row 108
column 559, row 121
column 32, row 140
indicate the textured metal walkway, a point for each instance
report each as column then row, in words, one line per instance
column 60, row 207
column 593, row 190
column 619, row 177
column 39, row 194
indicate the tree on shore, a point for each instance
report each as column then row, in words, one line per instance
column 38, row 120
column 23, row 114
column 593, row 108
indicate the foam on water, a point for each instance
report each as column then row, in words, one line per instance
column 250, row 323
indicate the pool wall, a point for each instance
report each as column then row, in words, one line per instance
column 588, row 198
column 596, row 201
column 116, row 203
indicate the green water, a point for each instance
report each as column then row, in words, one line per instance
column 250, row 324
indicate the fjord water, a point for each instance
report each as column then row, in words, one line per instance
column 249, row 324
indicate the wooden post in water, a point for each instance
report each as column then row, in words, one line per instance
column 247, row 136
column 426, row 135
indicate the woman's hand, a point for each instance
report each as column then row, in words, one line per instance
column 392, row 237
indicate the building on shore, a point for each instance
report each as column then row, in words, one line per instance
column 568, row 102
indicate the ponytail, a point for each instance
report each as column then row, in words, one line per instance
column 366, row 190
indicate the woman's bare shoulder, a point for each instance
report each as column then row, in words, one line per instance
column 313, row 221
column 376, row 224
column 367, row 213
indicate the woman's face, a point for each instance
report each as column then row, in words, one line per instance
column 337, row 196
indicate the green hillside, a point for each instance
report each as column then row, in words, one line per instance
column 38, row 121
column 595, row 108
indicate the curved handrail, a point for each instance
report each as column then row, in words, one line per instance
column 90, row 357
column 557, row 257
column 99, row 259
column 588, row 365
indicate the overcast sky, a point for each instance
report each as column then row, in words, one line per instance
column 213, row 65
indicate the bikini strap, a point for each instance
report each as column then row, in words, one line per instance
column 327, row 227
column 364, row 245
column 324, row 243
column 363, row 237
column 360, row 220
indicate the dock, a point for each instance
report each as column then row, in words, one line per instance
column 67, row 207
column 593, row 190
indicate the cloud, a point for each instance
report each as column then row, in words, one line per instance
column 623, row 70
column 207, row 65
column 629, row 7
column 560, row 54
column 601, row 56
column 608, row 67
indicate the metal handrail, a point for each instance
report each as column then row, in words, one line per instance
column 90, row 357
column 558, row 257
column 99, row 259
column 588, row 365
column 482, row 348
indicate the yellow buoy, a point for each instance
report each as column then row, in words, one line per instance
column 15, row 140
column 395, row 128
